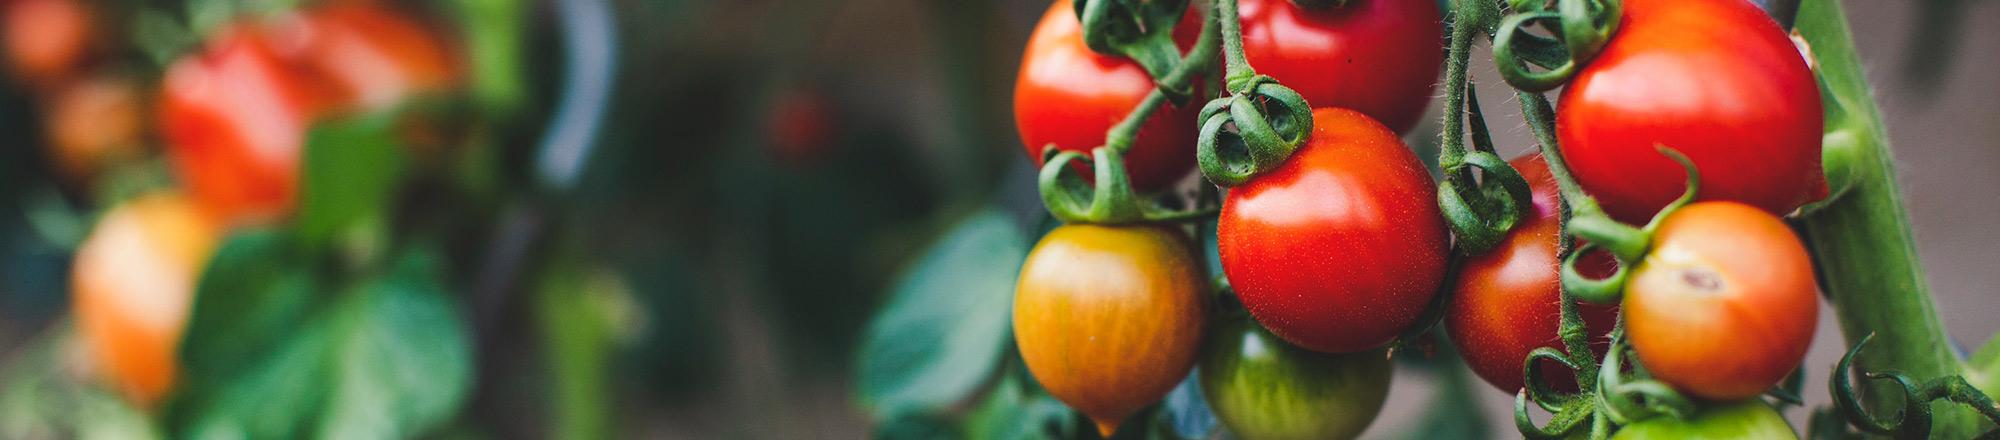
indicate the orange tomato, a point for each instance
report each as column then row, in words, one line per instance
column 133, row 284
column 92, row 123
column 1109, row 319
column 376, row 57
column 46, row 40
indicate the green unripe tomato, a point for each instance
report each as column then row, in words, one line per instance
column 1748, row 419
column 1264, row 388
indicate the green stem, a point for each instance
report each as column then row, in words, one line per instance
column 1200, row 59
column 1238, row 73
column 1862, row 244
column 1469, row 18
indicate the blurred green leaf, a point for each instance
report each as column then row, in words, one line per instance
column 1186, row 411
column 351, row 170
column 43, row 398
column 251, row 298
column 405, row 365
column 160, row 36
column 579, row 332
column 946, row 325
column 274, row 397
column 1014, row 411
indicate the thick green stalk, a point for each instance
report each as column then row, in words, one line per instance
column 1862, row 244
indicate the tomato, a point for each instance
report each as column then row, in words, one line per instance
column 1109, row 319
column 376, row 57
column 92, row 123
column 46, row 39
column 1746, row 420
column 1723, row 306
column 234, row 118
column 1263, row 388
column 1342, row 246
column 1070, row 96
column 1715, row 79
column 1378, row 57
column 133, row 284
column 1507, row 300
column 802, row 126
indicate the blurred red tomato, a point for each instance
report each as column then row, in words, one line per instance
column 801, row 126
column 92, row 123
column 234, row 117
column 133, row 284
column 375, row 56
column 46, row 39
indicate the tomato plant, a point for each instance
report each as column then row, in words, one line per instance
column 1110, row 318
column 1341, row 247
column 132, row 284
column 1264, row 388
column 1068, row 96
column 1724, row 305
column 1378, row 57
column 1748, row 419
column 1716, row 80
column 1506, row 301
column 46, row 40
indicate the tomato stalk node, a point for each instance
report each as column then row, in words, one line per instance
column 1580, row 28
column 1258, row 125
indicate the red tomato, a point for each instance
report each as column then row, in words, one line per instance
column 46, row 39
column 1715, row 79
column 234, row 117
column 1342, row 246
column 133, row 284
column 1507, row 300
column 1723, row 307
column 1069, row 96
column 376, row 57
column 1378, row 57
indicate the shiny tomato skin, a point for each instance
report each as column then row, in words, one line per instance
column 1109, row 319
column 1506, row 301
column 1341, row 247
column 132, row 286
column 1715, row 79
column 1069, row 96
column 1378, row 57
column 234, row 117
column 1724, row 305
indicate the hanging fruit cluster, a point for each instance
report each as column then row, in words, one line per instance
column 1635, row 278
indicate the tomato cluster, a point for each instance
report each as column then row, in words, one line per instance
column 1340, row 248
column 234, row 114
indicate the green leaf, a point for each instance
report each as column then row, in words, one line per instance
column 1017, row 411
column 275, row 397
column 351, row 168
column 405, row 365
column 252, row 296
column 946, row 325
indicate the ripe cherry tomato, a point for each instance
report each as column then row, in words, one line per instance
column 1748, row 419
column 1507, row 300
column 1378, row 57
column 92, row 123
column 234, row 117
column 1715, row 79
column 1069, row 96
column 1723, row 306
column 376, row 57
column 1342, row 246
column 1263, row 388
column 133, row 283
column 1109, row 319
column 46, row 39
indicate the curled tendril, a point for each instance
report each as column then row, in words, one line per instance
column 1914, row 419
column 1270, row 121
column 1110, row 200
column 1582, row 27
column 1625, row 243
column 1481, row 222
column 1140, row 30
column 1629, row 401
column 1569, row 415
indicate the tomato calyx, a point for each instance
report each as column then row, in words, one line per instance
column 1914, row 420
column 1257, row 126
column 1581, row 28
column 1624, row 242
column 1141, row 31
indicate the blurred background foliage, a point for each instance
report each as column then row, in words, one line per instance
column 795, row 220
